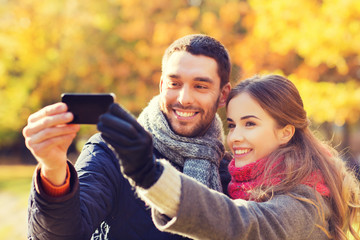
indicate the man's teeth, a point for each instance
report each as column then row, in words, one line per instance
column 185, row 114
column 242, row 151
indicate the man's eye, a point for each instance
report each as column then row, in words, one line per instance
column 173, row 84
column 201, row 87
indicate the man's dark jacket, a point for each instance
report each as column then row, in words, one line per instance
column 101, row 200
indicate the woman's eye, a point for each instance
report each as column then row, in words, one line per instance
column 249, row 124
column 231, row 125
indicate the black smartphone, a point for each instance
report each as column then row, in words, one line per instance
column 87, row 107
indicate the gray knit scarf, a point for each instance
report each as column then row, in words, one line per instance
column 199, row 156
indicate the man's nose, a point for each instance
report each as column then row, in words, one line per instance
column 185, row 97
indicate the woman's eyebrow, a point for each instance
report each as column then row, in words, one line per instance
column 249, row 116
column 243, row 118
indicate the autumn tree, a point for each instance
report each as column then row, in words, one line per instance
column 50, row 47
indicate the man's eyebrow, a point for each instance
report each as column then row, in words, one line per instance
column 197, row 79
column 173, row 76
column 204, row 79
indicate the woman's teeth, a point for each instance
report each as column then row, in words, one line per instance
column 241, row 151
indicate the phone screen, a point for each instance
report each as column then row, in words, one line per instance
column 87, row 107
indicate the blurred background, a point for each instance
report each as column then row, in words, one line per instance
column 51, row 47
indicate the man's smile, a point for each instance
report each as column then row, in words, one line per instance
column 184, row 115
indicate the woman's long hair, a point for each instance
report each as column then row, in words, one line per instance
column 304, row 155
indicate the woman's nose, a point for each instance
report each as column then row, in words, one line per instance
column 236, row 135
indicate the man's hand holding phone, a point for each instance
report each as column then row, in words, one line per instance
column 50, row 131
column 48, row 136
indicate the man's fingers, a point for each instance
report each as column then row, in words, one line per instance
column 42, row 151
column 49, row 116
column 50, row 133
column 50, row 110
column 47, row 121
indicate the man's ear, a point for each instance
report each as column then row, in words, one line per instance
column 224, row 95
column 286, row 133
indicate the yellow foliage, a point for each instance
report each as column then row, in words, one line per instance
column 162, row 33
column 49, row 47
column 210, row 25
column 136, row 29
column 187, row 16
column 316, row 33
column 326, row 101
column 184, row 30
column 142, row 49
column 229, row 13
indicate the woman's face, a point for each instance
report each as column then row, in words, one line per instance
column 253, row 133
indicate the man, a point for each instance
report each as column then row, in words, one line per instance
column 72, row 203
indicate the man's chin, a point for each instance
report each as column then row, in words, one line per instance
column 186, row 131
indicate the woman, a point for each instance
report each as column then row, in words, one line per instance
column 287, row 183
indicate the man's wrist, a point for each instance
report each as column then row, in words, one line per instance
column 55, row 176
column 56, row 191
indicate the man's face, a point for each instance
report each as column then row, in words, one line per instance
column 190, row 93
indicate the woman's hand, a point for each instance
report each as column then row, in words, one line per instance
column 132, row 144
